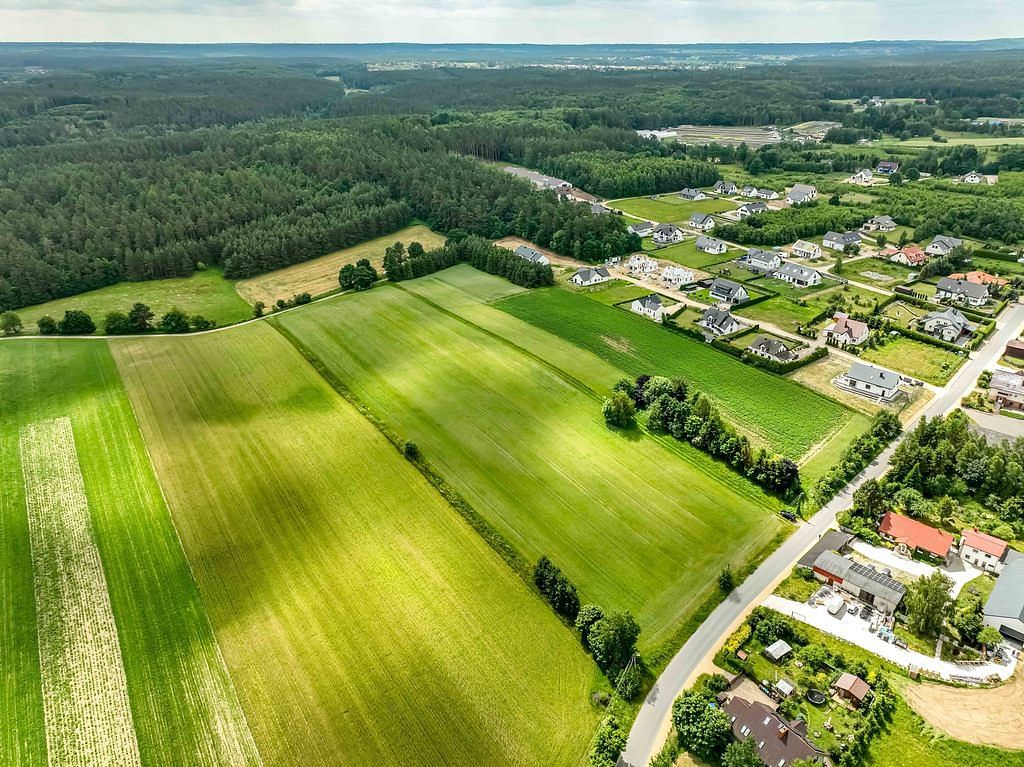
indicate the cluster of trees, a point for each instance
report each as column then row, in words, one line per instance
column 885, row 427
column 400, row 264
column 556, row 588
column 790, row 224
column 620, row 174
column 688, row 415
column 358, row 276
column 960, row 213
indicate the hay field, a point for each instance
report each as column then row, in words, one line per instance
column 363, row 621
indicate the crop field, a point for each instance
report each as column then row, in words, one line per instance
column 206, row 293
column 363, row 621
column 686, row 253
column 604, row 506
column 183, row 706
column 638, row 346
column 670, row 208
column 320, row 275
column 917, row 359
column 752, row 136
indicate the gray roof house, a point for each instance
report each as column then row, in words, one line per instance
column 641, row 228
column 724, row 187
column 702, row 221
column 719, row 321
column 710, row 244
column 801, row 276
column 942, row 245
column 948, row 324
column 778, row 742
column 692, row 194
column 728, row 291
column 833, row 540
column 770, row 349
column 871, row 381
column 667, row 233
column 529, row 254
column 861, row 581
column 970, row 293
column 751, row 209
column 599, row 210
column 762, row 260
column 879, row 224
column 840, row 241
column 801, row 193
column 1004, row 609
column 587, row 275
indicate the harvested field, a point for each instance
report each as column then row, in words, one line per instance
column 726, row 135
column 85, row 694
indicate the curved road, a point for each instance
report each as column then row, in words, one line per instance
column 652, row 724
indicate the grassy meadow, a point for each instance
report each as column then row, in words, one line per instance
column 504, row 412
column 207, row 293
column 670, row 208
column 363, row 621
column 915, row 358
column 686, row 253
column 183, row 705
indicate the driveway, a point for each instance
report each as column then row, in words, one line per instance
column 1003, row 427
column 855, row 630
column 959, row 572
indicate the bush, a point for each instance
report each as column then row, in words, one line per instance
column 619, row 411
column 47, row 325
column 629, row 681
column 117, row 324
column 588, row 615
column 613, row 642
column 608, row 744
column 10, row 324
column 726, row 580
column 76, row 323
column 174, row 321
column 411, row 450
column 556, row 588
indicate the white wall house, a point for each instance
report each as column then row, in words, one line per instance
column 702, row 222
column 711, row 245
column 667, row 234
column 846, row 332
column 640, row 264
column 805, row 249
column 962, row 292
column 590, row 276
column 800, row 276
column 677, row 275
column 984, row 551
column 649, row 306
column 883, row 385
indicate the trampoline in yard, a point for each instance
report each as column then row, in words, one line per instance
column 817, row 697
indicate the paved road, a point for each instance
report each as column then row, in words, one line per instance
column 652, row 724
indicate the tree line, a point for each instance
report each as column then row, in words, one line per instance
column 401, row 264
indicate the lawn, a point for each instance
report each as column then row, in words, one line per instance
column 819, row 374
column 686, row 253
column 921, row 360
column 363, row 621
column 877, row 271
column 637, row 346
column 320, row 275
column 515, row 430
column 206, row 293
column 903, row 313
column 183, row 705
column 615, row 292
column 670, row 208
column 789, row 313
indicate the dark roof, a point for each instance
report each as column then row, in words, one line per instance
column 666, row 228
column 703, row 241
column 652, row 302
column 717, row 318
column 833, row 540
column 870, row 374
column 1007, row 598
column 962, row 288
column 587, row 272
column 777, row 741
column 863, row 576
column 699, row 219
column 772, row 347
column 529, row 253
column 796, row 271
column 754, row 207
column 725, row 287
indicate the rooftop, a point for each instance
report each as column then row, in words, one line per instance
column 1007, row 598
column 915, row 534
column 985, row 542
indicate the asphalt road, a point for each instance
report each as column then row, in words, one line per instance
column 651, row 727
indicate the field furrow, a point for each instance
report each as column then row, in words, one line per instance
column 85, row 693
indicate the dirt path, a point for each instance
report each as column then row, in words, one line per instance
column 991, row 717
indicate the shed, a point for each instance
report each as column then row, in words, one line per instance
column 777, row 650
column 852, row 687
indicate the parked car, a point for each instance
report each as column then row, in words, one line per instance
column 852, row 609
column 865, row 614
column 786, row 514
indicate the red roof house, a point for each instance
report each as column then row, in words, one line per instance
column 909, row 535
column 911, row 255
column 983, row 550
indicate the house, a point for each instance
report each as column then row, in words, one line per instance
column 948, row 325
column 702, row 222
column 777, row 650
column 833, row 540
column 794, row 274
column 984, row 551
column 1004, row 609
column 910, row 536
column 972, row 178
column 887, row 167
column 941, row 245
column 863, row 582
column 667, row 234
column 762, row 260
column 599, row 210
column 728, row 291
column 539, row 180
column 692, row 194
column 724, row 187
column 979, row 277
column 771, row 349
column 640, row 264
column 801, row 193
column 529, row 254
column 862, row 176
column 852, row 688
column 841, row 241
column 640, row 228
column 961, row 291
column 767, row 194
column 711, row 245
column 779, row 742
column 1006, row 389
column 748, row 209
column 879, row 224
column 719, row 321
column 805, row 249
column 868, row 380
column 750, row 191
column 677, row 275
column 1014, row 349
column 586, row 275
column 846, row 332
column 649, row 306
column 911, row 255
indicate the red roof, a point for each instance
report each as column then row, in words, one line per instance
column 916, row 535
column 985, row 542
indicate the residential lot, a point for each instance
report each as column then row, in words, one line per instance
column 877, row 271
column 686, row 253
column 916, row 359
column 669, row 208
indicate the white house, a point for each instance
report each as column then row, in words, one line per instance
column 794, row 274
column 961, row 291
column 770, row 349
column 667, row 234
column 590, row 276
column 724, row 187
column 948, row 325
column 879, row 224
column 910, row 255
column 762, row 260
column 640, row 264
column 870, row 381
column 805, row 249
column 641, row 228
column 942, row 245
column 846, row 332
column 529, row 254
column 748, row 209
column 677, row 275
column 692, row 194
column 1004, row 609
column 801, row 193
column 984, row 551
column 702, row 222
column 649, row 306
column 727, row 291
column 767, row 194
column 750, row 191
column 841, row 241
column 719, row 321
column 711, row 245
column 973, row 178
column 862, row 176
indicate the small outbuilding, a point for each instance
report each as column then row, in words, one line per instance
column 777, row 650
column 852, row 688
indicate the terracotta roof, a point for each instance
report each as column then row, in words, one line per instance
column 979, row 278
column 853, row 685
column 854, row 328
column 985, row 542
column 916, row 535
column 913, row 254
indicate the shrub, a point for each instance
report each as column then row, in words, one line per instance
column 411, row 450
column 10, row 324
column 175, row 321
column 47, row 325
column 556, row 588
column 117, row 324
column 608, row 744
column 76, row 323
column 587, row 616
column 619, row 411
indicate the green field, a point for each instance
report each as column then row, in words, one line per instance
column 686, row 253
column 670, row 208
column 363, row 621
column 637, row 523
column 915, row 358
column 615, row 292
column 206, row 293
column 183, row 705
column 788, row 314
column 637, row 346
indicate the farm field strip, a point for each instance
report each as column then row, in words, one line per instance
column 363, row 621
column 85, row 692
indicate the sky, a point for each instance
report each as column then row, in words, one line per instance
column 507, row 21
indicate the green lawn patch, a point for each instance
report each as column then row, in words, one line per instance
column 686, row 253
column 915, row 358
column 613, row 292
column 670, row 208
column 788, row 313
column 877, row 271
